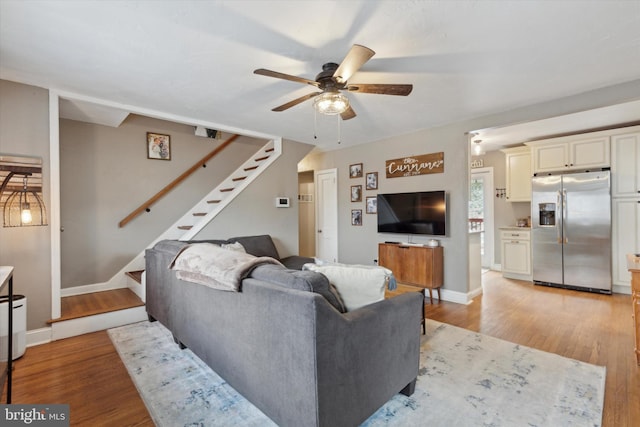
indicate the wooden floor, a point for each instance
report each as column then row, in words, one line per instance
column 87, row 373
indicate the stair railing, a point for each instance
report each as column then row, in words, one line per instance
column 145, row 207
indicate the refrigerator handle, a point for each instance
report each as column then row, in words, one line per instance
column 564, row 216
column 559, row 218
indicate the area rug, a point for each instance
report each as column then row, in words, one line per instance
column 465, row 379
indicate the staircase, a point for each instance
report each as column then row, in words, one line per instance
column 132, row 275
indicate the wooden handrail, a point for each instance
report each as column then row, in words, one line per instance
column 160, row 194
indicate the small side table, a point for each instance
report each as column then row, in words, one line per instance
column 6, row 279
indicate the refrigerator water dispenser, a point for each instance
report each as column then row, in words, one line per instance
column 547, row 214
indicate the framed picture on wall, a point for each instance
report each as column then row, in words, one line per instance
column 372, row 181
column 372, row 204
column 355, row 170
column 158, row 146
column 356, row 216
column 356, row 193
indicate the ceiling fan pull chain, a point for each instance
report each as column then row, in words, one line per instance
column 315, row 124
column 339, row 129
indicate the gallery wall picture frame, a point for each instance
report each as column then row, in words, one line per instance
column 355, row 170
column 371, row 181
column 356, row 217
column 356, row 193
column 158, row 146
column 372, row 205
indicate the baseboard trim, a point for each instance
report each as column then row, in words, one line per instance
column 621, row 289
column 38, row 336
column 459, row 297
column 88, row 289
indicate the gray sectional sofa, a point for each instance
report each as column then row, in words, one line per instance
column 283, row 344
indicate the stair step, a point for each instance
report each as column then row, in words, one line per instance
column 250, row 168
column 185, row 227
column 240, row 178
column 226, row 190
column 135, row 275
column 77, row 306
column 259, row 159
column 214, row 201
column 199, row 214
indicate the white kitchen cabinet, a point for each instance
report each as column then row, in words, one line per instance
column 625, row 230
column 518, row 171
column 625, row 203
column 516, row 254
column 563, row 155
column 625, row 165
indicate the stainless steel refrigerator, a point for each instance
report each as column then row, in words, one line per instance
column 571, row 230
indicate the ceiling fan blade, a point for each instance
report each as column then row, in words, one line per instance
column 383, row 89
column 277, row 75
column 351, row 63
column 348, row 114
column 296, row 101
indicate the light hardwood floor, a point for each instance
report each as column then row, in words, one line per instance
column 87, row 373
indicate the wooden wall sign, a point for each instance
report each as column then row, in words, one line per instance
column 415, row 165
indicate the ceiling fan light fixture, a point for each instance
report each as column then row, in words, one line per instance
column 331, row 103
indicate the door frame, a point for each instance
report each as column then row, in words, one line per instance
column 489, row 228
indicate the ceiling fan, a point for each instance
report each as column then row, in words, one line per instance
column 334, row 78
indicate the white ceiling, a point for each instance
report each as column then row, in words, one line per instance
column 195, row 59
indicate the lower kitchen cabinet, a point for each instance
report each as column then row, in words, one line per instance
column 625, row 237
column 516, row 254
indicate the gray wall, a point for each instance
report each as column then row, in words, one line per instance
column 359, row 244
column 105, row 175
column 255, row 211
column 24, row 130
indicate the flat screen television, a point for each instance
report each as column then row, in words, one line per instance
column 413, row 213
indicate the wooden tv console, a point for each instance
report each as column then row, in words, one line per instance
column 414, row 265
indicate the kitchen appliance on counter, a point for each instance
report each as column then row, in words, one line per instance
column 571, row 230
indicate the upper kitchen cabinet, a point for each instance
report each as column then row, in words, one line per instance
column 570, row 153
column 518, row 173
column 625, row 165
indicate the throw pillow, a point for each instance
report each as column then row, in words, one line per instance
column 300, row 280
column 358, row 285
column 236, row 246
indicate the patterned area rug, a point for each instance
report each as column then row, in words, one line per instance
column 465, row 379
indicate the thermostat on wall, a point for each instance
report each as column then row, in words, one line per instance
column 282, row 202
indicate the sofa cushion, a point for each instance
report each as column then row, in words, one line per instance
column 300, row 280
column 358, row 285
column 261, row 245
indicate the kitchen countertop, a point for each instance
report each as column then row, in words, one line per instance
column 513, row 227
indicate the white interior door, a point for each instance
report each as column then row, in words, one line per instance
column 326, row 182
column 483, row 178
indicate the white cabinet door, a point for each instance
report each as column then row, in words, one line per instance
column 590, row 153
column 571, row 155
column 518, row 165
column 550, row 158
column 625, row 237
column 516, row 257
column 625, row 165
